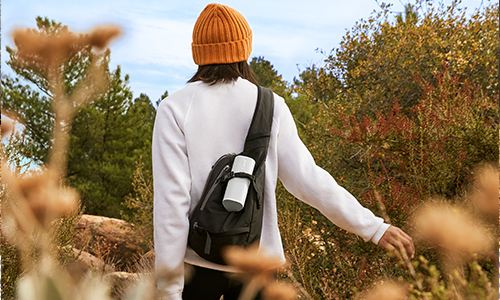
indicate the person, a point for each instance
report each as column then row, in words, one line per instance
column 209, row 117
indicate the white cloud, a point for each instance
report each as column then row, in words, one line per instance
column 155, row 49
column 156, row 41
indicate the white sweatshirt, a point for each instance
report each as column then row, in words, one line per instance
column 193, row 128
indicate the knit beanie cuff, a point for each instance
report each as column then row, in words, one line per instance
column 222, row 53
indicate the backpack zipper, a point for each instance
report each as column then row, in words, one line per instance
column 210, row 191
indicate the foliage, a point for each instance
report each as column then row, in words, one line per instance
column 268, row 77
column 379, row 57
column 106, row 137
column 165, row 95
column 319, row 85
column 403, row 110
column 328, row 262
column 431, row 152
column 29, row 105
column 449, row 129
column 264, row 71
column 140, row 202
column 473, row 285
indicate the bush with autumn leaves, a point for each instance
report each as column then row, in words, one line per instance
column 404, row 114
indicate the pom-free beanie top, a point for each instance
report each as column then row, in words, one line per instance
column 221, row 35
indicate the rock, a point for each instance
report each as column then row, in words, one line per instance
column 78, row 263
column 112, row 240
column 93, row 263
column 84, row 263
column 120, row 282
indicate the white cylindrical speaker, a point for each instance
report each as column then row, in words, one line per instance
column 237, row 187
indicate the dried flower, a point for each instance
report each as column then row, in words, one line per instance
column 386, row 291
column 485, row 192
column 257, row 269
column 451, row 228
column 279, row 291
column 51, row 50
column 251, row 260
column 48, row 50
column 101, row 36
column 46, row 199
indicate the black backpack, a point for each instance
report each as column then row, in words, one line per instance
column 212, row 227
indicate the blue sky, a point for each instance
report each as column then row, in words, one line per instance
column 155, row 48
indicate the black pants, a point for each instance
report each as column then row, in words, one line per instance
column 208, row 284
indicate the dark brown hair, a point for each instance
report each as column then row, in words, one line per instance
column 225, row 73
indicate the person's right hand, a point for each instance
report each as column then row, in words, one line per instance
column 395, row 238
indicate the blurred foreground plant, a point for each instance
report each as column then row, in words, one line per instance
column 462, row 238
column 258, row 273
column 32, row 202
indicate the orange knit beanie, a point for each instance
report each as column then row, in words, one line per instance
column 221, row 35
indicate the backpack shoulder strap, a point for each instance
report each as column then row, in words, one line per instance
column 257, row 140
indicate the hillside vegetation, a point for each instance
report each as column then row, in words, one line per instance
column 403, row 114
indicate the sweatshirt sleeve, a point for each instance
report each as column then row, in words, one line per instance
column 172, row 185
column 308, row 182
